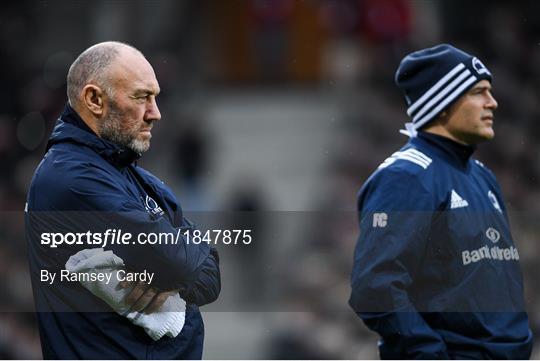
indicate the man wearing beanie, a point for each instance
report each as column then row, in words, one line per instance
column 436, row 271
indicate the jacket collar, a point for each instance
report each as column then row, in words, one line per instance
column 70, row 128
column 456, row 152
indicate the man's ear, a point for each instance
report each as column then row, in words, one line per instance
column 442, row 119
column 93, row 99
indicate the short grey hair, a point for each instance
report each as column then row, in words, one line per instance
column 91, row 66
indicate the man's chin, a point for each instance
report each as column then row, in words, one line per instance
column 140, row 146
column 484, row 137
column 488, row 134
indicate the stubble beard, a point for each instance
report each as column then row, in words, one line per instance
column 112, row 130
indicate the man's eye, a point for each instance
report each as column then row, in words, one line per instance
column 141, row 98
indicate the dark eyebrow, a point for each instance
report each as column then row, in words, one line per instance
column 481, row 88
column 144, row 92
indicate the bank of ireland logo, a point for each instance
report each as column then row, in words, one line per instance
column 152, row 207
column 494, row 201
column 493, row 235
column 479, row 67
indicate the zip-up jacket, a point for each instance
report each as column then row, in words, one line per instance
column 436, row 271
column 87, row 184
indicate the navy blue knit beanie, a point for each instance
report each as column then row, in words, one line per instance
column 434, row 78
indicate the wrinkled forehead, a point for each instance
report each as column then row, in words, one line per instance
column 132, row 71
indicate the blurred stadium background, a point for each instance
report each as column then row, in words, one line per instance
column 274, row 113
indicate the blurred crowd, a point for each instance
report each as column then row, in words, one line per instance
column 342, row 51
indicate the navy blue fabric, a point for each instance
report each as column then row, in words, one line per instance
column 86, row 183
column 413, row 281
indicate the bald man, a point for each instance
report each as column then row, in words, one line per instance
column 88, row 184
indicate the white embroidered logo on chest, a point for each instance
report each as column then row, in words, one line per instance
column 494, row 201
column 493, row 235
column 456, row 201
column 152, row 207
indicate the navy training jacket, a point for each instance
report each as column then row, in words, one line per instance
column 85, row 183
column 436, row 272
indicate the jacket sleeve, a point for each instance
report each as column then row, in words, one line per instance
column 395, row 214
column 206, row 289
column 103, row 204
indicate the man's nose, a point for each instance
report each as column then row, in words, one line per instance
column 492, row 103
column 152, row 111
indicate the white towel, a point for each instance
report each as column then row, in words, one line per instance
column 167, row 320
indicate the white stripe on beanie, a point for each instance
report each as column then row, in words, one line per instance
column 434, row 88
column 436, row 99
column 456, row 93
